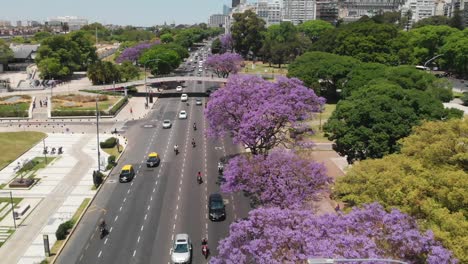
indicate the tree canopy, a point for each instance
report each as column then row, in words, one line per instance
column 428, row 180
column 314, row 29
column 224, row 64
column 5, row 52
column 369, row 123
column 258, row 113
column 247, row 32
column 280, row 179
column 275, row 235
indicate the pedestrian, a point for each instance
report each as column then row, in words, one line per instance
column 131, row 110
column 34, row 104
column 40, row 103
column 337, row 208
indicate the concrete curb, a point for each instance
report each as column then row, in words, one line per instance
column 52, row 261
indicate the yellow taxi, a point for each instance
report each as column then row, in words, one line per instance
column 153, row 160
column 127, row 173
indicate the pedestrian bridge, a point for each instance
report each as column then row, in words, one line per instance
column 163, row 80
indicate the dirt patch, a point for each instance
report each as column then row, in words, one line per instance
column 82, row 102
column 15, row 99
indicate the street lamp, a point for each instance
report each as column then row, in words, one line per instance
column 146, row 88
column 97, row 135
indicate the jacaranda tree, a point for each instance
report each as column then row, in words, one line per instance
column 224, row 64
column 227, row 43
column 133, row 53
column 280, row 179
column 275, row 235
column 258, row 113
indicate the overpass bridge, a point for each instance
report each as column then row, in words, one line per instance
column 162, row 80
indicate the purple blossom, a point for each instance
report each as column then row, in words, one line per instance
column 224, row 64
column 133, row 53
column 227, row 43
column 274, row 235
column 258, row 113
column 280, row 179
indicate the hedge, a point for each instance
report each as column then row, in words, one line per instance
column 62, row 230
column 118, row 105
column 109, row 143
column 14, row 113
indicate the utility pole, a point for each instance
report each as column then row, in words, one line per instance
column 97, row 135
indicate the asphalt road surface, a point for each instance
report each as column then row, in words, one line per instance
column 143, row 216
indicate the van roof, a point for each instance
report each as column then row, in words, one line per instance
column 127, row 167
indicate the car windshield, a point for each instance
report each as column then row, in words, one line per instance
column 152, row 158
column 217, row 205
column 181, row 248
column 125, row 172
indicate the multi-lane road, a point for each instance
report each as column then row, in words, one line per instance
column 144, row 215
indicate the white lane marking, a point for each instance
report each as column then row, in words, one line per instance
column 81, row 257
column 110, row 230
column 142, row 228
column 154, row 189
column 99, row 255
column 134, row 252
column 128, row 191
column 105, row 241
column 120, row 209
column 151, row 198
column 131, row 184
column 116, row 217
column 149, row 206
column 146, row 215
column 92, row 236
column 125, row 199
column 138, row 240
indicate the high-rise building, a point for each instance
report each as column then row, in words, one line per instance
column 298, row 11
column 5, row 23
column 270, row 11
column 19, row 23
column 217, row 20
column 355, row 9
column 226, row 10
column 419, row 9
column 327, row 10
column 235, row 3
column 74, row 23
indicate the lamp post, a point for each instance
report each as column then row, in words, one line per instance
column 97, row 135
column 146, row 88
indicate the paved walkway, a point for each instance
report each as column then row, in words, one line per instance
column 63, row 186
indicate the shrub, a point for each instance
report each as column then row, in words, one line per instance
column 75, row 113
column 62, row 230
column 109, row 143
column 98, row 178
column 110, row 162
column 464, row 98
column 118, row 105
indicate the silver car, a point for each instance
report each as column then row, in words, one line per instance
column 167, row 123
column 181, row 251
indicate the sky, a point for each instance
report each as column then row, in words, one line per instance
column 119, row 12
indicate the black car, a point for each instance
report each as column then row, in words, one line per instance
column 216, row 208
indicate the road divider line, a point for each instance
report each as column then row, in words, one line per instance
column 120, row 209
column 105, row 241
column 134, row 252
column 99, row 255
column 138, row 240
column 116, row 217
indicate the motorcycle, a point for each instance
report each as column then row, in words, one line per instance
column 193, row 144
column 102, row 231
column 199, row 179
column 205, row 249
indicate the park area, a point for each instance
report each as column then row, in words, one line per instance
column 14, row 144
column 259, row 67
column 15, row 106
column 85, row 105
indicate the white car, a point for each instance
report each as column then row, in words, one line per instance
column 200, row 70
column 167, row 123
column 178, row 88
column 182, row 114
column 184, row 97
column 198, row 101
column 181, row 249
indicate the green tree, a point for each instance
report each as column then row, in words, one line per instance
column 39, row 36
column 166, row 38
column 361, row 75
column 428, row 180
column 455, row 52
column 281, row 43
column 128, row 71
column 5, row 52
column 369, row 123
column 324, row 72
column 432, row 21
column 103, row 72
column 51, row 68
column 86, row 48
column 216, row 46
column 314, row 29
column 160, row 60
column 247, row 33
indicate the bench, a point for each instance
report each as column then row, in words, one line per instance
column 20, row 211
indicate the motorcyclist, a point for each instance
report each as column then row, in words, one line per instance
column 199, row 178
column 205, row 249
column 176, row 149
column 194, row 126
column 102, row 224
column 193, row 142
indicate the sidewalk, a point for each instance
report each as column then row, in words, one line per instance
column 63, row 186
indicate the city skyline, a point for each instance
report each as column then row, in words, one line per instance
column 146, row 13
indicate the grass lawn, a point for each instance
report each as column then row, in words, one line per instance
column 15, row 105
column 457, row 94
column 260, row 68
column 82, row 102
column 113, row 151
column 319, row 120
column 11, row 231
column 5, row 199
column 39, row 163
column 58, row 244
column 14, row 144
